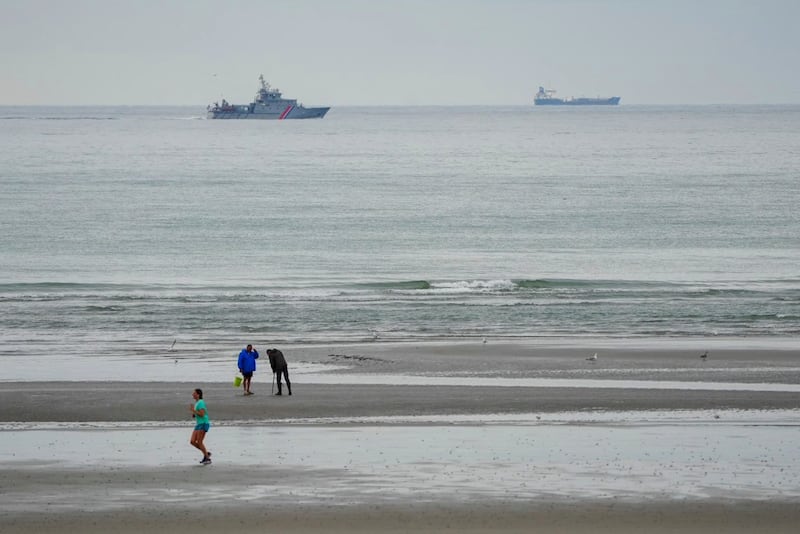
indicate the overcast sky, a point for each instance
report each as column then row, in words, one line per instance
column 413, row 52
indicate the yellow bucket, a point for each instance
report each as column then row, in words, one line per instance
column 237, row 381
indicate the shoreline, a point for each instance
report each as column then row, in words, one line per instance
column 346, row 455
column 749, row 360
column 384, row 380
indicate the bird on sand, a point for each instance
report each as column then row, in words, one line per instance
column 592, row 358
column 484, row 340
column 704, row 355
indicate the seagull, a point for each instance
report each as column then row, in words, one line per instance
column 592, row 358
column 484, row 340
column 704, row 355
column 172, row 347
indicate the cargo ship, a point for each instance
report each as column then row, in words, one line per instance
column 545, row 98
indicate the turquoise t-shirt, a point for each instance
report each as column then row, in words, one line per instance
column 201, row 419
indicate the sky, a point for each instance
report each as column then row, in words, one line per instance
column 392, row 52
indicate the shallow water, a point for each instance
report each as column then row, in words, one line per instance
column 750, row 455
column 676, row 372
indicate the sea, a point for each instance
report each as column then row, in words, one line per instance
column 131, row 230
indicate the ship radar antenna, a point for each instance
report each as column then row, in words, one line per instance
column 264, row 84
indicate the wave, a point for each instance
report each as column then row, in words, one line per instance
column 554, row 283
column 73, row 118
column 503, row 284
column 462, row 286
column 46, row 286
column 780, row 290
column 405, row 285
column 777, row 290
column 109, row 309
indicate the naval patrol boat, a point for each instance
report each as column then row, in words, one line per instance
column 268, row 104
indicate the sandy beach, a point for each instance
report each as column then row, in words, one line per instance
column 575, row 518
column 401, row 438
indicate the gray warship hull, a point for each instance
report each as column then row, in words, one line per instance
column 267, row 112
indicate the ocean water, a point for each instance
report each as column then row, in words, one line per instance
column 124, row 228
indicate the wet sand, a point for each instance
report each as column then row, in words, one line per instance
column 133, row 401
column 420, row 379
column 45, row 489
column 573, row 518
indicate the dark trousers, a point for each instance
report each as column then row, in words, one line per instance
column 285, row 372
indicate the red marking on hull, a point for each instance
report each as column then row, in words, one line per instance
column 285, row 112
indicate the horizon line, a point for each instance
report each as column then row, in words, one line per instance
column 531, row 104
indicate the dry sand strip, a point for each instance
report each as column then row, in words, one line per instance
column 155, row 401
column 574, row 517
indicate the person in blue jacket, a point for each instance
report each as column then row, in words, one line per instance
column 247, row 366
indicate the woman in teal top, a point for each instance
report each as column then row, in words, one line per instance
column 201, row 424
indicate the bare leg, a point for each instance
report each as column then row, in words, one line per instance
column 197, row 441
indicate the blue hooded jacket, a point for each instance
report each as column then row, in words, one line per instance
column 247, row 361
